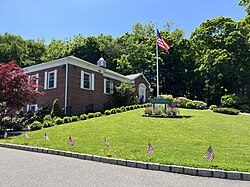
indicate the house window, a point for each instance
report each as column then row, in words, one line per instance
column 87, row 80
column 32, row 108
column 50, row 79
column 108, row 86
column 34, row 80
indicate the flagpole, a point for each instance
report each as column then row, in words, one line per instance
column 157, row 68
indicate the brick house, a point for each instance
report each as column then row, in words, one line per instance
column 80, row 86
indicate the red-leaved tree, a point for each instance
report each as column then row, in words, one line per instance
column 16, row 89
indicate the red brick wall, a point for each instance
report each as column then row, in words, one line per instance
column 79, row 99
column 51, row 94
column 140, row 80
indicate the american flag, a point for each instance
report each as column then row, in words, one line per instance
column 5, row 134
column 26, row 135
column 70, row 141
column 150, row 149
column 209, row 154
column 162, row 43
column 106, row 143
column 46, row 137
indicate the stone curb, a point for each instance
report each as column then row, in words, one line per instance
column 232, row 175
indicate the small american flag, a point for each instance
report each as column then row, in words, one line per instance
column 209, row 154
column 46, row 137
column 106, row 143
column 162, row 43
column 26, row 135
column 150, row 149
column 70, row 141
column 5, row 134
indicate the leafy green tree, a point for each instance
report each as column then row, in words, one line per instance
column 56, row 109
column 124, row 93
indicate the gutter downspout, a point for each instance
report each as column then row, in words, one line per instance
column 66, row 86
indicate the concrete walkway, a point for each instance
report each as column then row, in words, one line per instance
column 23, row 168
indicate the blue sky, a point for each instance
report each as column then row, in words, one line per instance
column 60, row 19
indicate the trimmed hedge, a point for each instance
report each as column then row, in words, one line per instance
column 83, row 116
column 74, row 118
column 107, row 112
column 36, row 125
column 230, row 111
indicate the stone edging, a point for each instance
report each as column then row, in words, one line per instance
column 233, row 175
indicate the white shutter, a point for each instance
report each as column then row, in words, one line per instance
column 92, row 81
column 36, row 107
column 105, row 85
column 55, row 78
column 37, row 83
column 111, row 87
column 28, row 108
column 82, row 79
column 45, row 80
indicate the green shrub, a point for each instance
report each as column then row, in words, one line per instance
column 230, row 111
column 230, row 100
column 47, row 123
column 212, row 107
column 158, row 110
column 91, row 115
column 127, row 108
column 47, row 118
column 36, row 125
column 66, row 119
column 180, row 101
column 113, row 111
column 17, row 127
column 148, row 110
column 58, row 121
column 200, row 104
column 123, row 109
column 190, row 104
column 56, row 109
column 118, row 110
column 131, row 107
column 98, row 114
column 83, row 117
column 172, row 111
column 244, row 108
column 107, row 112
column 74, row 118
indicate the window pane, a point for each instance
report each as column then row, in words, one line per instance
column 51, row 80
column 107, row 86
column 86, row 81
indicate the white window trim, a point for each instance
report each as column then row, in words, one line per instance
column 36, row 76
column 111, row 85
column 31, row 105
column 91, row 81
column 46, row 79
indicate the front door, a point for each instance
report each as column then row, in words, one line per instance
column 142, row 93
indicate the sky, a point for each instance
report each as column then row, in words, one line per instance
column 61, row 19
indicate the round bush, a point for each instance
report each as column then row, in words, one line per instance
column 98, row 114
column 74, row 118
column 48, row 124
column 107, row 112
column 113, row 111
column 118, row 110
column 190, row 104
column 83, row 117
column 212, row 107
column 66, row 119
column 91, row 115
column 36, row 125
column 58, row 121
column 123, row 109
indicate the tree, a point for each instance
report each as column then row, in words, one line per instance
column 16, row 89
column 124, row 93
column 56, row 109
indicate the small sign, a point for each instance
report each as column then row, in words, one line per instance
column 160, row 100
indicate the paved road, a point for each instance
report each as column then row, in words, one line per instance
column 21, row 168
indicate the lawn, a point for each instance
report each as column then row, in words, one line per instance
column 178, row 141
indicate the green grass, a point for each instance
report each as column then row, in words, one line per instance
column 179, row 141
